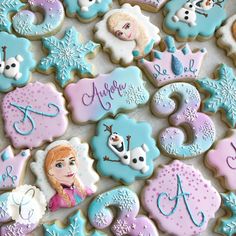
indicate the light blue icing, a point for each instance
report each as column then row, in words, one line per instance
column 140, row 133
column 67, row 55
column 76, row 227
column 156, row 54
column 15, row 46
column 5, row 155
column 176, row 65
column 205, row 26
column 181, row 194
column 147, row 49
column 73, row 8
column 4, row 216
column 7, row 7
column 170, row 43
column 222, row 93
column 186, row 50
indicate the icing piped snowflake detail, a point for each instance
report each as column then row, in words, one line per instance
column 67, row 55
column 222, row 93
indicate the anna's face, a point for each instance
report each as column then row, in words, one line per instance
column 64, row 170
column 126, row 30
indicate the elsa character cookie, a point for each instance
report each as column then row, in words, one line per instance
column 222, row 159
column 220, row 94
column 92, row 99
column 193, row 19
column 67, row 55
column 180, row 200
column 64, row 173
column 16, row 62
column 86, row 10
column 227, row 37
column 124, row 149
column 33, row 115
column 126, row 34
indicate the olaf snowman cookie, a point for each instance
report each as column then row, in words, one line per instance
column 124, row 149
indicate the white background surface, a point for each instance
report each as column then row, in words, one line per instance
column 102, row 64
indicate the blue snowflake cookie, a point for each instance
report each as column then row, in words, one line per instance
column 222, row 93
column 124, row 149
column 86, row 10
column 67, row 55
column 190, row 19
column 16, row 62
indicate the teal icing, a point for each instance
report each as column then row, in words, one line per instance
column 5, row 155
column 176, row 65
column 149, row 47
column 135, row 53
column 170, row 43
column 8, row 175
column 157, row 55
column 180, row 194
column 185, row 50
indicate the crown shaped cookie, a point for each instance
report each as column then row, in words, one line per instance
column 173, row 64
column 11, row 167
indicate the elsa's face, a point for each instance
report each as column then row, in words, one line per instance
column 64, row 170
column 126, row 30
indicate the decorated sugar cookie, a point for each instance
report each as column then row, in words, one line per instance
column 127, row 221
column 33, row 115
column 173, row 64
column 126, row 34
column 16, row 61
column 66, row 55
column 193, row 132
column 180, row 200
column 76, row 227
column 92, row 99
column 222, row 91
column 12, row 167
column 227, row 37
column 124, row 149
column 64, row 173
column 25, row 21
column 87, row 10
column 227, row 224
column 191, row 19
column 222, row 159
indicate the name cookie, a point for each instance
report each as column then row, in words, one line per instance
column 92, row 99
column 124, row 149
column 126, row 34
column 180, row 200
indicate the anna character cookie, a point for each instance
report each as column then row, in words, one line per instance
column 127, row 220
column 65, row 173
column 227, row 37
column 126, row 34
column 67, row 55
column 222, row 159
column 193, row 19
column 33, row 115
column 221, row 91
column 180, row 200
column 86, row 10
column 124, row 149
column 16, row 62
column 92, row 99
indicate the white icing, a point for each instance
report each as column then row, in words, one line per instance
column 85, row 4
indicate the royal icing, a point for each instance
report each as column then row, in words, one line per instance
column 65, row 173
column 124, row 149
column 66, row 55
column 127, row 34
column 16, row 61
column 25, row 21
column 4, row 215
column 76, row 227
column 227, row 37
column 92, row 99
column 222, row 93
column 172, row 140
column 87, row 10
column 190, row 19
column 33, row 115
column 127, row 221
column 173, row 64
column 227, row 225
column 180, row 200
column 12, row 167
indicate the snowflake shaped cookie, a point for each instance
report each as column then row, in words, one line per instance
column 222, row 93
column 7, row 7
column 67, row 55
